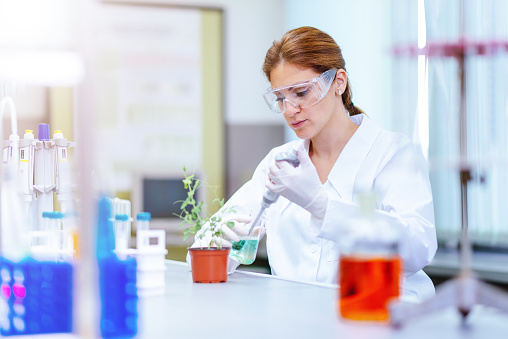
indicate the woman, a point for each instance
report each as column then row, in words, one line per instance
column 341, row 153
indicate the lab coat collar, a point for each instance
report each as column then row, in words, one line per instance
column 343, row 174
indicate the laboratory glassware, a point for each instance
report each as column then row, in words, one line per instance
column 143, row 221
column 122, row 232
column 55, row 229
column 370, row 268
column 244, row 251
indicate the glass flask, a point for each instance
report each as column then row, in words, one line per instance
column 245, row 250
column 370, row 268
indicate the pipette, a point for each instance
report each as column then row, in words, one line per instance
column 271, row 197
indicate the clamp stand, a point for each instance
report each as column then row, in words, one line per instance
column 462, row 292
column 466, row 290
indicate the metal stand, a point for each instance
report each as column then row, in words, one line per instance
column 466, row 290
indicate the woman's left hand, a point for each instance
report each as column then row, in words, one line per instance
column 300, row 185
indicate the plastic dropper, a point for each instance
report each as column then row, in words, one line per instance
column 271, row 197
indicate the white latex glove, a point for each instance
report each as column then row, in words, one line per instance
column 300, row 185
column 258, row 231
column 240, row 228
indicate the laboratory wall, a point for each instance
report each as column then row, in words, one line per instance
column 363, row 31
column 32, row 107
column 249, row 28
column 242, row 59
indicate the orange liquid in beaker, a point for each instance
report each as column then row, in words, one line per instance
column 367, row 285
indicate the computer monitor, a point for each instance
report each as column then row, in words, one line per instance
column 161, row 195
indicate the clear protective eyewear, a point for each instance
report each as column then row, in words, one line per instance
column 302, row 94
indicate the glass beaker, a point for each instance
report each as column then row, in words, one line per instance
column 370, row 268
column 245, row 250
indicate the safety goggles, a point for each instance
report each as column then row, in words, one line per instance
column 302, row 94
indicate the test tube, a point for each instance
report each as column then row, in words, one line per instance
column 122, row 232
column 143, row 220
column 54, row 228
column 44, row 233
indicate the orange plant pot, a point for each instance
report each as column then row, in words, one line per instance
column 209, row 265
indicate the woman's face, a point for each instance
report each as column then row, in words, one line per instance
column 307, row 122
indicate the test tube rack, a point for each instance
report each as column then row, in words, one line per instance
column 117, row 280
column 36, row 297
column 118, row 292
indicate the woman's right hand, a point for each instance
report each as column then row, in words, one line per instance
column 238, row 226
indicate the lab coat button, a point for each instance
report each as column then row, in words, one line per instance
column 313, row 248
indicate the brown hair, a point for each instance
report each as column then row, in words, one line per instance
column 308, row 47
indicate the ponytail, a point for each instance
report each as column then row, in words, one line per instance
column 348, row 103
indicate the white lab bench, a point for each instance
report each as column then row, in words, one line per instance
column 254, row 305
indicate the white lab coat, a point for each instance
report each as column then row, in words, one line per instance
column 303, row 248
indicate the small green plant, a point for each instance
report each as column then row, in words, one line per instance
column 195, row 215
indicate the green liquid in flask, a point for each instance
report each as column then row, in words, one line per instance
column 244, row 251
